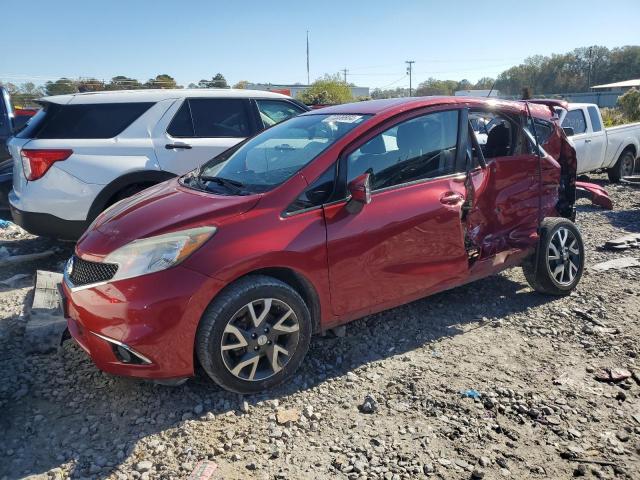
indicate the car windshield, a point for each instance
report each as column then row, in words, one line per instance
column 273, row 156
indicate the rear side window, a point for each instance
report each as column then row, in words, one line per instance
column 596, row 124
column 575, row 119
column 99, row 120
column 276, row 111
column 210, row 118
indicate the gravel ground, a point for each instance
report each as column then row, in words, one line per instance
column 384, row 401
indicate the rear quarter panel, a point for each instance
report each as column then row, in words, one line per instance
column 618, row 139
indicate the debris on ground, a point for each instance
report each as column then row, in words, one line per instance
column 204, row 470
column 288, row 415
column 15, row 280
column 614, row 375
column 471, row 393
column 616, row 264
column 29, row 257
column 624, row 242
column 46, row 324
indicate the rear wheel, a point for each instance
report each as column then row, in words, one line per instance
column 624, row 167
column 557, row 266
column 254, row 335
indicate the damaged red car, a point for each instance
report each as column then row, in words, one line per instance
column 332, row 215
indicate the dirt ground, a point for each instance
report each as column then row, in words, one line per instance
column 392, row 399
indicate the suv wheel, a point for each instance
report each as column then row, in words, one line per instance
column 254, row 334
column 560, row 258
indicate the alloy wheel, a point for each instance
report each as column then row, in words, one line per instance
column 260, row 339
column 563, row 256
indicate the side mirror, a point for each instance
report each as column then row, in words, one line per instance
column 360, row 191
column 569, row 131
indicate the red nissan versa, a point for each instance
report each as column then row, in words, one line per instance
column 332, row 215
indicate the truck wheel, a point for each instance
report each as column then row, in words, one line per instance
column 254, row 335
column 560, row 258
column 624, row 167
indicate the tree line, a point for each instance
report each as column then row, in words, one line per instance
column 27, row 92
column 571, row 72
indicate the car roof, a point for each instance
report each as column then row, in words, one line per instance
column 397, row 105
column 156, row 95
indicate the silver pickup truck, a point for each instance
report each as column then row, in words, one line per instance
column 613, row 149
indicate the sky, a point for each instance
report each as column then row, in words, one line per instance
column 265, row 41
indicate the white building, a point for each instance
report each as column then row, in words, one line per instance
column 618, row 87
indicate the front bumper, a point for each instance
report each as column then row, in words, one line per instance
column 155, row 316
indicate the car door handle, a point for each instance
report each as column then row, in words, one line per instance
column 587, row 140
column 451, row 198
column 172, row 146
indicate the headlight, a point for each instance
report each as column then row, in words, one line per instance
column 153, row 254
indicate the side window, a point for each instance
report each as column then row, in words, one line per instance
column 596, row 124
column 502, row 135
column 317, row 193
column 181, row 125
column 219, row 117
column 575, row 119
column 420, row 148
column 544, row 129
column 276, row 111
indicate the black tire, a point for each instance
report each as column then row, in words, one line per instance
column 624, row 167
column 231, row 309
column 541, row 277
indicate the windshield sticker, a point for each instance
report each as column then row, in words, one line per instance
column 342, row 118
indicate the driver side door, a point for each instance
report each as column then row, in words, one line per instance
column 409, row 240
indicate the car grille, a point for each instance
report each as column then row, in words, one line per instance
column 85, row 272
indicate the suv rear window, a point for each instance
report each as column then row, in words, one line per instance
column 97, row 120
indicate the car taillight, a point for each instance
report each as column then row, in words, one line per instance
column 36, row 162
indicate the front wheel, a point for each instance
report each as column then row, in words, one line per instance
column 557, row 265
column 254, row 335
column 624, row 167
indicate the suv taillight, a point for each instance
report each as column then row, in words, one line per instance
column 36, row 162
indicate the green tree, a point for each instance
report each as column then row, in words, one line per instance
column 121, row 82
column 217, row 81
column 242, row 84
column 329, row 89
column 161, row 81
column 90, row 85
column 630, row 104
column 61, row 86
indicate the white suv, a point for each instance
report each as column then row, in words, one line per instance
column 83, row 152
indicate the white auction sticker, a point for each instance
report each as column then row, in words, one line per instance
column 342, row 118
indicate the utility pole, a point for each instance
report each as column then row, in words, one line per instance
column 589, row 74
column 409, row 72
column 344, row 71
column 308, row 57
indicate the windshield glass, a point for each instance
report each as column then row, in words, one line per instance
column 272, row 157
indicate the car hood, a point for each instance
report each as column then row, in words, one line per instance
column 163, row 208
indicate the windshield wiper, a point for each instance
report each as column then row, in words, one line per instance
column 232, row 185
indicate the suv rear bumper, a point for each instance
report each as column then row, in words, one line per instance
column 47, row 225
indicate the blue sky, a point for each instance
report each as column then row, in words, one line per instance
column 264, row 41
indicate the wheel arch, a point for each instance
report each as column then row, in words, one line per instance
column 300, row 284
column 132, row 178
